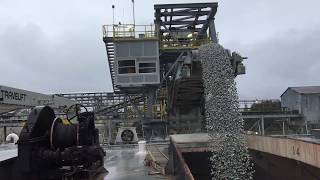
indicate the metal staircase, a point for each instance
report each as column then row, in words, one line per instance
column 111, row 60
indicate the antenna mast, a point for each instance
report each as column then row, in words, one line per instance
column 134, row 20
column 113, row 13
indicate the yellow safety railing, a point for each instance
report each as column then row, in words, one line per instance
column 182, row 42
column 129, row 31
column 156, row 111
column 159, row 110
column 144, row 32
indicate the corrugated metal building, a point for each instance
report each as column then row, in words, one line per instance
column 305, row 100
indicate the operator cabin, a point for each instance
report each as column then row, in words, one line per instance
column 305, row 100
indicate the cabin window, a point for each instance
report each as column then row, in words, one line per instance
column 126, row 66
column 147, row 67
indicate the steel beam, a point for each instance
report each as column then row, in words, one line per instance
column 179, row 29
column 11, row 124
column 183, row 10
column 183, row 18
column 174, row 22
column 213, row 33
column 191, row 13
column 4, row 133
column 209, row 20
column 187, row 5
column 262, row 125
column 271, row 116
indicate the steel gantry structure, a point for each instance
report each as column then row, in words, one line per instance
column 174, row 21
column 160, row 61
column 95, row 101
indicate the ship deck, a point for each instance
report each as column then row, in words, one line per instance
column 128, row 164
column 123, row 163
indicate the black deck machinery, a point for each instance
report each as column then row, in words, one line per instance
column 50, row 148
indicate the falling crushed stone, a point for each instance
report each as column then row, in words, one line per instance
column 230, row 158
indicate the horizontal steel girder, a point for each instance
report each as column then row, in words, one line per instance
column 187, row 5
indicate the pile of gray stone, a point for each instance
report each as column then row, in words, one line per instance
column 230, row 158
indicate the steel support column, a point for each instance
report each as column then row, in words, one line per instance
column 283, row 129
column 109, row 131
column 212, row 30
column 4, row 133
column 262, row 125
column 150, row 99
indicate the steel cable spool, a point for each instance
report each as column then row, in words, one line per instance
column 63, row 134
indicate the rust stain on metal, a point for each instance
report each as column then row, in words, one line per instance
column 187, row 172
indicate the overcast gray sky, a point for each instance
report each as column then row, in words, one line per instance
column 56, row 46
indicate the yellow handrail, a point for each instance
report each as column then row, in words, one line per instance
column 129, row 31
column 142, row 32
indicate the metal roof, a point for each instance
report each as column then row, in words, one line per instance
column 305, row 89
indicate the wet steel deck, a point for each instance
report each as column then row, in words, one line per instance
column 8, row 151
column 122, row 163
column 127, row 164
column 158, row 156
